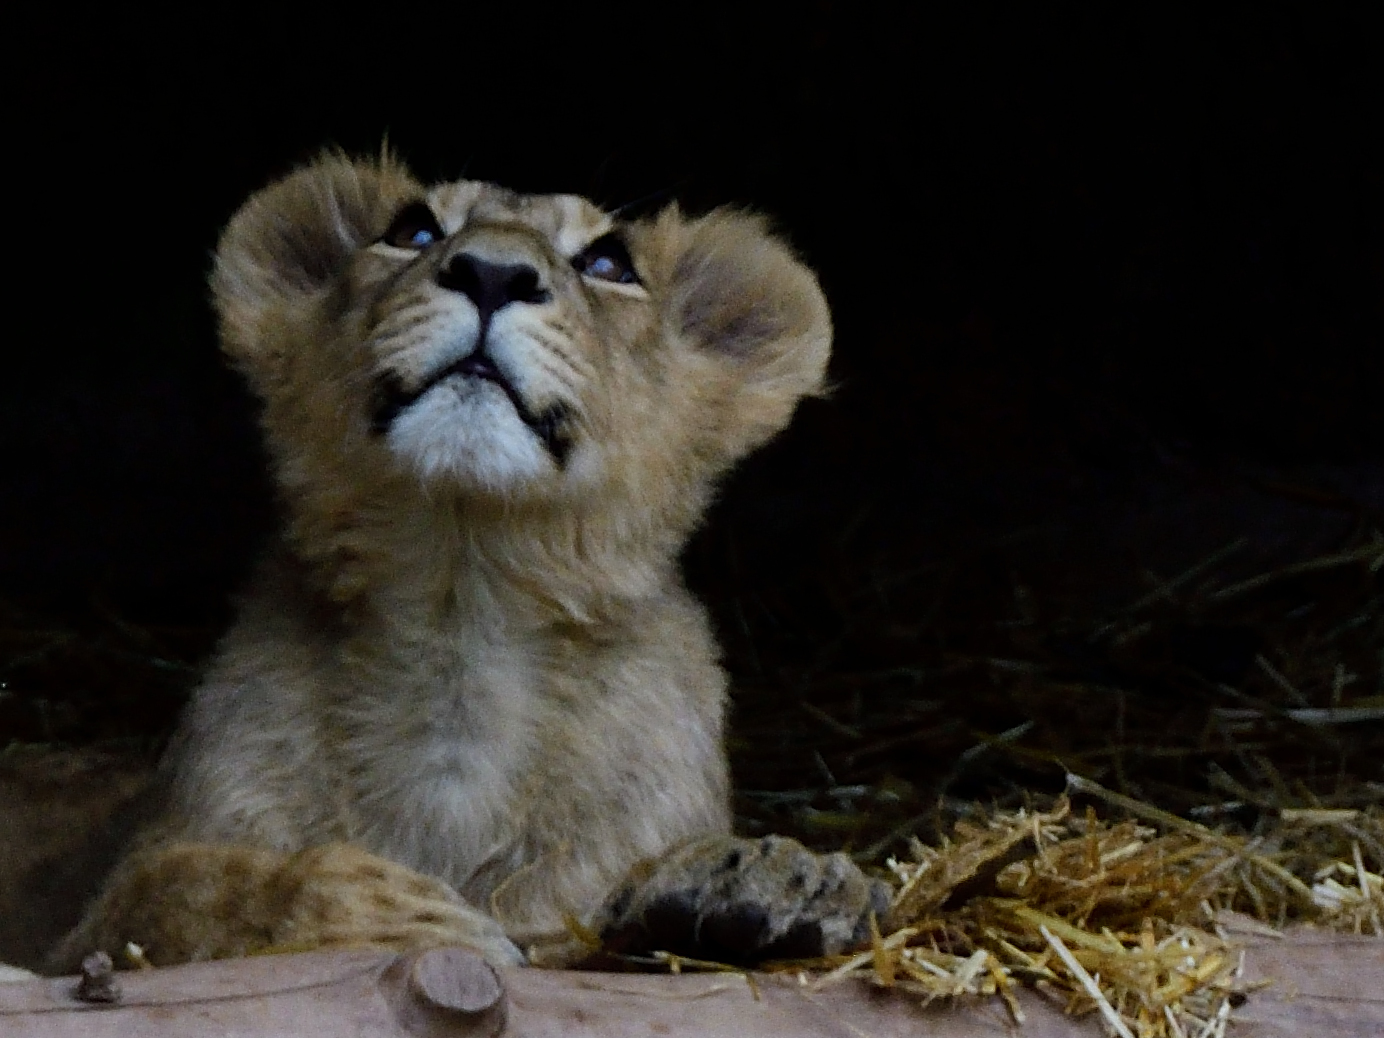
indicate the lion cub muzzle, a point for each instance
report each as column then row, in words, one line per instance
column 500, row 275
column 493, row 271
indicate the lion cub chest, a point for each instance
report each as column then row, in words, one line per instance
column 474, row 754
column 437, row 739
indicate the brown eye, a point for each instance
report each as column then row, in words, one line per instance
column 414, row 227
column 606, row 259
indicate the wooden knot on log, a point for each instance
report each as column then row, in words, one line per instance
column 447, row 993
column 98, row 983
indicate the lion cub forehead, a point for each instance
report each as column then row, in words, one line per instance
column 570, row 222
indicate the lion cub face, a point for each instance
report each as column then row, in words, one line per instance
column 521, row 347
column 493, row 315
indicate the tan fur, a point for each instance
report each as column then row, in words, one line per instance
column 464, row 655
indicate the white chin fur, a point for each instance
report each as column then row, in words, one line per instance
column 468, row 432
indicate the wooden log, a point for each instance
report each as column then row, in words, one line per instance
column 1321, row 984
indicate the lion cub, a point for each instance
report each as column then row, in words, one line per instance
column 468, row 697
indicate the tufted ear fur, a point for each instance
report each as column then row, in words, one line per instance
column 738, row 295
column 289, row 241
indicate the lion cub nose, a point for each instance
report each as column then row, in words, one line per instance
column 492, row 286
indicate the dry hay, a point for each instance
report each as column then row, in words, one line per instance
column 1119, row 917
column 1225, row 694
column 1266, row 770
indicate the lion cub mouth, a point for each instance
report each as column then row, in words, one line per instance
column 548, row 424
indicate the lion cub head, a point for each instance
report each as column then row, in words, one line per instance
column 526, row 350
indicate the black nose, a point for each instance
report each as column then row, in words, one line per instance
column 492, row 286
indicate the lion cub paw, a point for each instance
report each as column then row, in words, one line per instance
column 191, row 902
column 338, row 894
column 736, row 900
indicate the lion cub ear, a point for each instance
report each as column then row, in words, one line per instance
column 738, row 296
column 290, row 241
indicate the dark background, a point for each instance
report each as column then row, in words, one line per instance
column 1086, row 263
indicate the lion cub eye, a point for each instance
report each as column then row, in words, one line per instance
column 415, row 227
column 606, row 259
